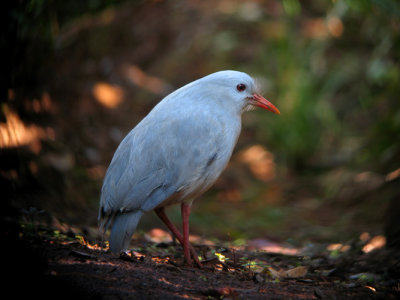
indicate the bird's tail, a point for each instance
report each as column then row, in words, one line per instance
column 122, row 229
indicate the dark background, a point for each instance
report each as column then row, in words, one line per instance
column 79, row 75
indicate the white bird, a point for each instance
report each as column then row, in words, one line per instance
column 175, row 154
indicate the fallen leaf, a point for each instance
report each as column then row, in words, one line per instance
column 296, row 272
column 275, row 273
column 291, row 273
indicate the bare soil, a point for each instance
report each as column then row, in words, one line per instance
column 60, row 265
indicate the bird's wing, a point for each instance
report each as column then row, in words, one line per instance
column 134, row 177
column 133, row 174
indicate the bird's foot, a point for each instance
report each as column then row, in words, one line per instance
column 192, row 254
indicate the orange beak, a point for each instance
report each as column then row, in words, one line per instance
column 260, row 101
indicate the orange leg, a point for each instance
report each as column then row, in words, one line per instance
column 188, row 249
column 185, row 212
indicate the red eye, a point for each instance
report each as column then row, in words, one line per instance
column 241, row 87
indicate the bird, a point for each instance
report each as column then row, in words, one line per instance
column 175, row 154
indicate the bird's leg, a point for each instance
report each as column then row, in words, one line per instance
column 185, row 212
column 162, row 215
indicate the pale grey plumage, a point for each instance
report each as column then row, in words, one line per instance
column 175, row 153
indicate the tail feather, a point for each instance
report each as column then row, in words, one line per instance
column 122, row 229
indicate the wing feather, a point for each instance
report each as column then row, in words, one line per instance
column 167, row 153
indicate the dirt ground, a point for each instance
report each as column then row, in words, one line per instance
column 47, row 262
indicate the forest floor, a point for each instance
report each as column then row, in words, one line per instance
column 45, row 261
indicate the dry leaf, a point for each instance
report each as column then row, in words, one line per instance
column 276, row 273
column 292, row 273
column 296, row 272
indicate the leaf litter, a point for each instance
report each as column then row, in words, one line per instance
column 151, row 270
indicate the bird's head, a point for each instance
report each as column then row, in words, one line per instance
column 240, row 88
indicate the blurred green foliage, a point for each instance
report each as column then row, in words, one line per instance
column 339, row 95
